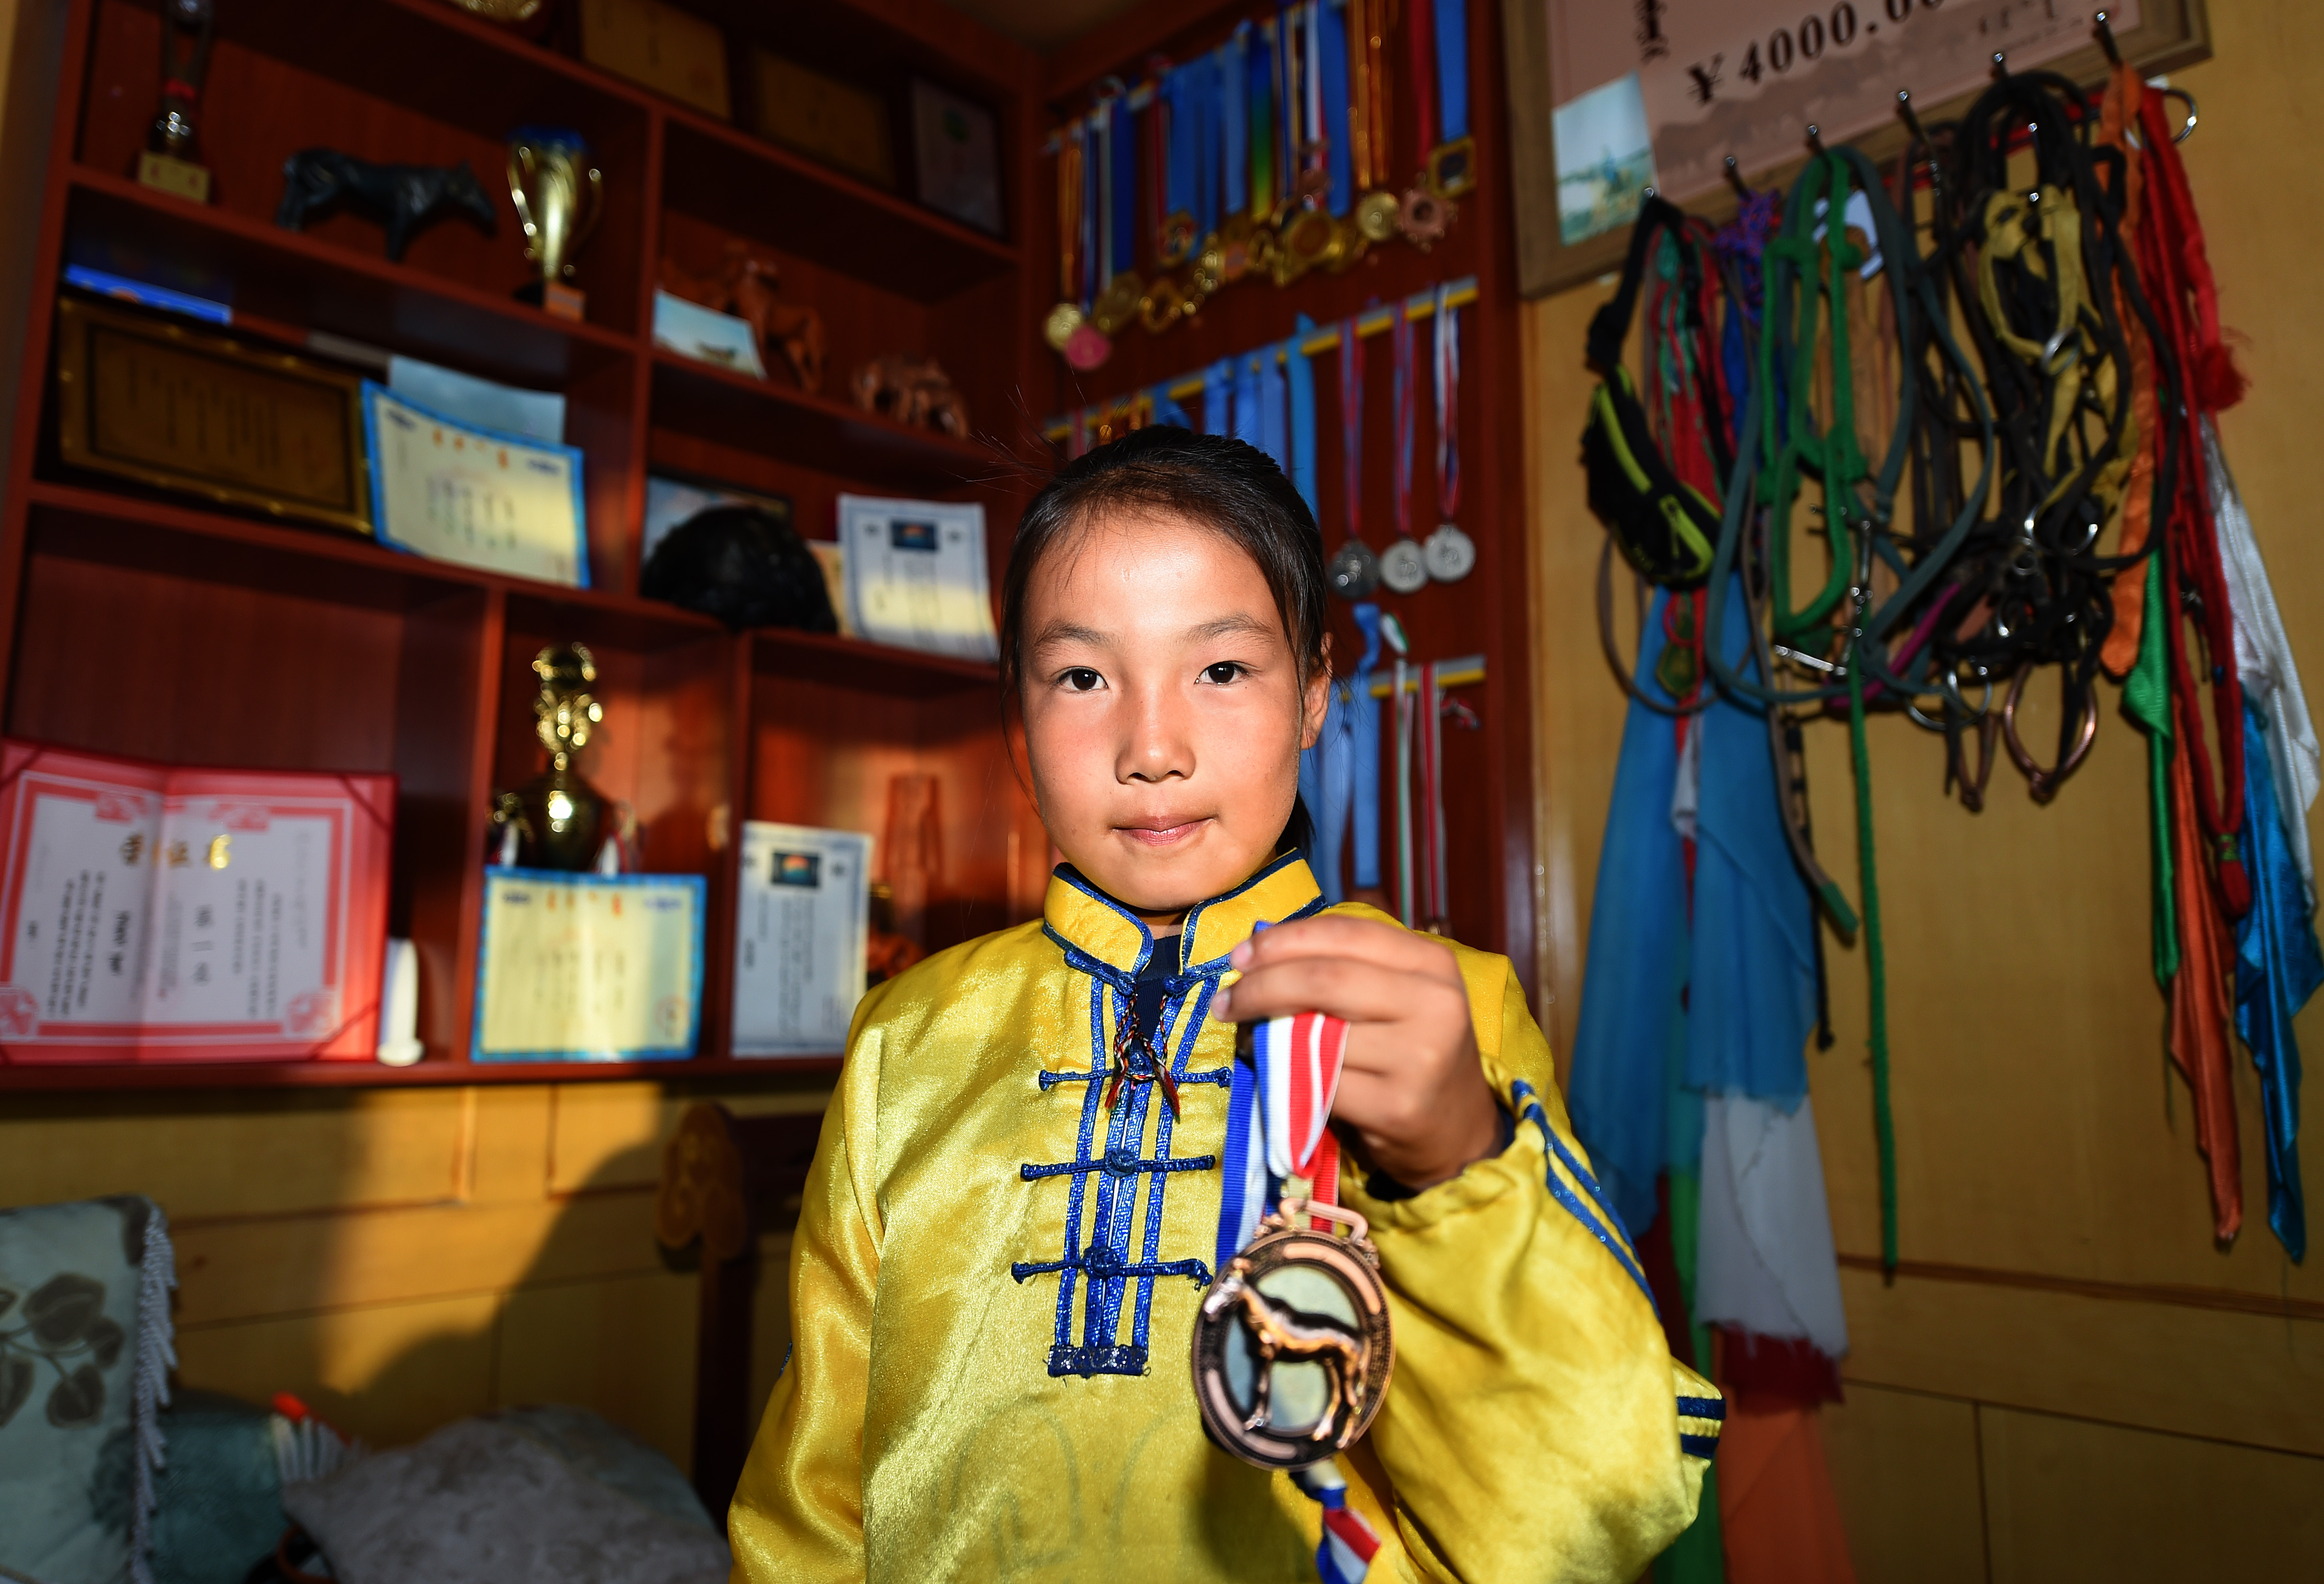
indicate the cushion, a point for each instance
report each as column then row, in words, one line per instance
column 220, row 1495
column 83, row 1357
column 485, row 1502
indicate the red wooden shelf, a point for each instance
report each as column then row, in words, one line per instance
column 873, row 668
column 297, row 279
column 770, row 416
column 712, row 170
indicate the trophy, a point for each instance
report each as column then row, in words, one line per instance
column 167, row 164
column 558, row 819
column 559, row 196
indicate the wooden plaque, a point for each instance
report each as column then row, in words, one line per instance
column 179, row 409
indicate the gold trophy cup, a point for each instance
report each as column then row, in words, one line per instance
column 560, row 196
column 167, row 162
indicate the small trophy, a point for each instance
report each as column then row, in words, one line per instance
column 559, row 196
column 558, row 819
column 168, row 162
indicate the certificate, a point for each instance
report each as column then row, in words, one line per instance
column 916, row 575
column 157, row 914
column 481, row 497
column 799, row 935
column 588, row 967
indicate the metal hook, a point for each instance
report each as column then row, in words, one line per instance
column 2188, row 131
column 1815, row 139
column 2000, row 65
column 1735, row 180
column 1912, row 122
column 2106, row 38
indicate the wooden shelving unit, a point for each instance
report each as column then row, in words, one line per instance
column 148, row 624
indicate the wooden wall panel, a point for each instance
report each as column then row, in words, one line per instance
column 1905, row 1468
column 2074, row 1500
column 624, row 1347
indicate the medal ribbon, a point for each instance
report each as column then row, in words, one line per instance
column 1448, row 407
column 1278, row 1128
column 1300, row 374
column 1407, row 417
column 1102, row 177
column 1364, row 719
column 1122, row 206
column 1260, row 89
column 1432, row 798
column 1453, row 66
column 1180, row 142
column 1352, row 429
column 1232, row 65
column 1417, row 13
column 1337, row 158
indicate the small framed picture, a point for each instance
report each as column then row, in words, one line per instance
column 957, row 152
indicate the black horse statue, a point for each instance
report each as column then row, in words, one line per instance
column 403, row 198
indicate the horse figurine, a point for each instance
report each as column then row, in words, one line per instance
column 745, row 287
column 913, row 390
column 1282, row 1335
column 403, row 198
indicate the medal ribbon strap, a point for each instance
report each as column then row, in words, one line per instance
column 1122, row 207
column 1260, row 87
column 1431, row 796
column 1364, row 722
column 1103, row 173
column 1351, row 431
column 1348, row 1543
column 1218, row 393
column 1248, row 420
column 1157, row 156
column 1417, row 15
column 1298, row 1060
column 1233, row 67
column 1179, row 141
column 1448, row 407
column 1406, row 405
column 1299, row 373
column 1069, row 219
column 1274, row 418
column 1402, row 700
column 1383, row 96
column 1360, row 138
column 1453, row 66
column 1210, row 74
column 1337, row 158
column 1311, row 78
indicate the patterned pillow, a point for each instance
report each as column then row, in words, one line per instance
column 85, row 1353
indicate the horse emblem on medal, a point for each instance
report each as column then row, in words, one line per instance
column 1292, row 1353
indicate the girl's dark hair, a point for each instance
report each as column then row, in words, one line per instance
column 1226, row 485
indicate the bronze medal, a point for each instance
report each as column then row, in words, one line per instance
column 1424, row 218
column 1291, row 1350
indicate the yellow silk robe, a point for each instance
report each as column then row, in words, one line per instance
column 994, row 1283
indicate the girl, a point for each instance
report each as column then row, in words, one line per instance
column 1013, row 1215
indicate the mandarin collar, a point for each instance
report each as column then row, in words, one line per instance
column 1102, row 937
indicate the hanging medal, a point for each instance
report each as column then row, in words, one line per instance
column 1450, row 555
column 1404, row 568
column 1291, row 1291
column 1354, row 571
column 1451, row 165
column 1426, row 214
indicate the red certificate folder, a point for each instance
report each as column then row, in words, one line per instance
column 151, row 914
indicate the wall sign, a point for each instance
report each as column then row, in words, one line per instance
column 1608, row 99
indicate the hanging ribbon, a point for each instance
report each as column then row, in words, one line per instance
column 1121, row 205
column 1274, row 417
column 1364, row 732
column 1278, row 1112
column 1448, row 406
column 1352, row 429
column 1417, row 15
column 1339, row 160
column 1261, row 98
column 1299, row 373
column 1233, row 67
column 1452, row 67
column 1406, row 410
column 1433, row 906
column 1218, row 397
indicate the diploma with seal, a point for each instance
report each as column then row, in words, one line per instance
column 156, row 914
column 481, row 497
column 589, row 967
column 799, row 938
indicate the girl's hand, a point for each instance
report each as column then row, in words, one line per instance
column 1411, row 1084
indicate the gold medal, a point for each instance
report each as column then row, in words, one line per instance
column 1177, row 239
column 1453, row 168
column 1292, row 1350
column 1162, row 307
column 1118, row 303
column 1376, row 216
column 1208, row 270
column 1309, row 238
column 1059, row 326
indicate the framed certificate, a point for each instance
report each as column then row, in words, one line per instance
column 916, row 575
column 483, row 498
column 151, row 914
column 802, row 912
column 589, row 967
column 204, row 415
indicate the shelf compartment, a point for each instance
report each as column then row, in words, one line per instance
column 792, row 203
column 780, row 656
column 766, row 416
column 385, row 83
column 307, row 282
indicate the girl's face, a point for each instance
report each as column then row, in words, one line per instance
column 1163, row 714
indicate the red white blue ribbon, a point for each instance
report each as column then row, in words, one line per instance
column 1278, row 1127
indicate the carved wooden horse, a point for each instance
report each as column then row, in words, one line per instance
column 1282, row 1336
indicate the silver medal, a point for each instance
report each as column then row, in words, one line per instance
column 1451, row 554
column 1404, row 568
column 1354, row 571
